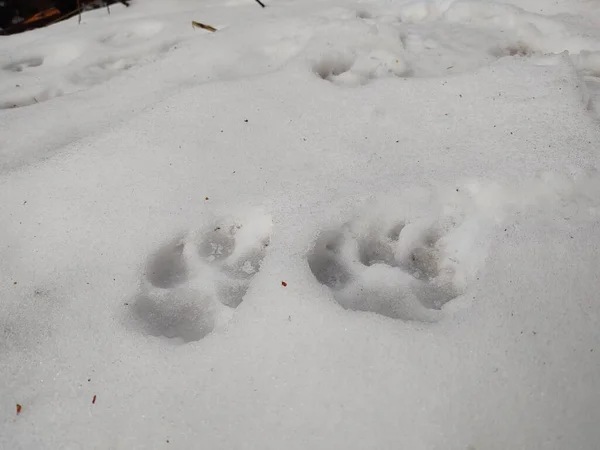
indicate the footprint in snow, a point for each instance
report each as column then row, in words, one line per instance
column 193, row 283
column 124, row 49
column 23, row 64
column 360, row 47
column 350, row 70
column 132, row 34
column 396, row 270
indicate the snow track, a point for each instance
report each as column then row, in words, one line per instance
column 327, row 225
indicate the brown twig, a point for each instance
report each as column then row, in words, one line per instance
column 203, row 26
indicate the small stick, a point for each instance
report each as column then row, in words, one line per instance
column 260, row 3
column 107, row 6
column 79, row 10
column 204, row 27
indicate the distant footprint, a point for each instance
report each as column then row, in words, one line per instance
column 124, row 50
column 24, row 64
column 364, row 14
column 518, row 48
column 362, row 69
column 395, row 271
column 112, row 66
column 192, row 284
column 136, row 32
column 420, row 40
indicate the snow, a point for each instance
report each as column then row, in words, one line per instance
column 326, row 225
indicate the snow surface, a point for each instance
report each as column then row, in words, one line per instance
column 327, row 225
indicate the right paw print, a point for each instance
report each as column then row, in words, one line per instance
column 193, row 283
column 396, row 271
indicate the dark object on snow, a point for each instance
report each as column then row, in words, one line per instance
column 17, row 16
column 260, row 3
column 204, row 27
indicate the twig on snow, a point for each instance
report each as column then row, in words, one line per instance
column 203, row 26
column 261, row 3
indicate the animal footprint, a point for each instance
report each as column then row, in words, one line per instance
column 139, row 32
column 396, row 271
column 360, row 70
column 192, row 284
column 518, row 48
column 24, row 64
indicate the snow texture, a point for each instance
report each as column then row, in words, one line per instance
column 328, row 224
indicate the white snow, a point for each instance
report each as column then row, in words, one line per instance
column 327, row 225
